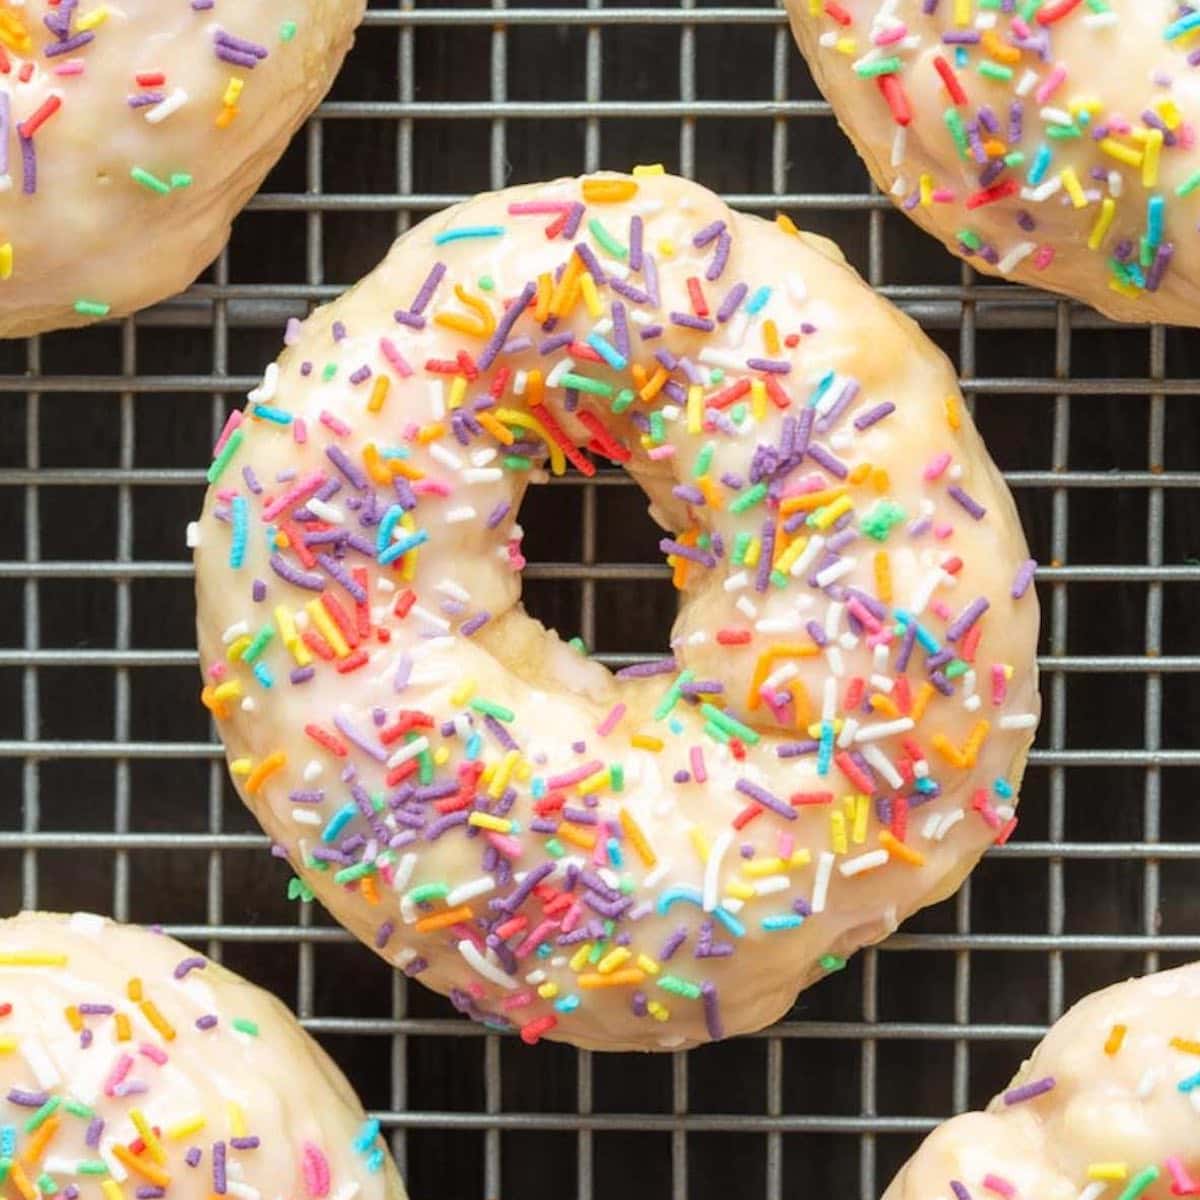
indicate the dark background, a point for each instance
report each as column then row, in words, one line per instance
column 111, row 795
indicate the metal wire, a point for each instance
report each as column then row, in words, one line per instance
column 123, row 802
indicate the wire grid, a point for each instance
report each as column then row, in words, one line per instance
column 112, row 793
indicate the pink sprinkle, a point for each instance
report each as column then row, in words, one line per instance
column 599, row 855
column 395, row 358
column 994, row 1183
column 1021, row 29
column 432, row 487
column 316, row 1171
column 942, row 609
column 291, row 331
column 889, row 37
column 510, row 847
column 537, row 207
column 476, row 990
column 517, row 1000
column 73, row 66
column 778, row 711
column 869, row 620
column 1050, row 84
column 1043, row 256
column 217, row 670
column 999, row 685
column 153, row 1053
column 297, row 493
column 1182, row 1184
column 942, row 530
column 787, row 843
column 936, row 465
column 659, row 452
column 574, row 915
column 335, row 423
column 539, row 934
column 568, row 778
column 116, row 1076
column 944, row 195
column 610, row 722
column 231, row 423
column 388, row 873
column 699, row 773
column 1185, row 137
column 882, row 638
column 471, row 934
column 226, row 494
column 300, row 431
column 410, row 431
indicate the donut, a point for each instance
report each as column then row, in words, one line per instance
column 1105, row 1106
column 1050, row 143
column 131, row 1066
column 133, row 132
column 663, row 857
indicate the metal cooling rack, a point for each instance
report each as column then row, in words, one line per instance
column 112, row 795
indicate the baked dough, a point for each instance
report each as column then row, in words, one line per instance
column 664, row 858
column 132, row 132
column 1052, row 144
column 1105, row 1107
column 130, row 1062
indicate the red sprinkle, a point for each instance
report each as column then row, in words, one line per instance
column 998, row 191
column 699, row 304
column 1056, row 11
column 404, row 602
column 39, row 116
column 332, row 744
column 733, row 637
column 355, row 660
column 946, row 71
column 893, row 92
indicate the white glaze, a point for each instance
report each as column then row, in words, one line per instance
column 555, row 695
column 1121, row 61
column 89, row 231
column 287, row 1090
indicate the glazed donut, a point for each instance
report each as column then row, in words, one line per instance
column 133, row 132
column 664, row 857
column 132, row 1066
column 1050, row 143
column 1105, row 1106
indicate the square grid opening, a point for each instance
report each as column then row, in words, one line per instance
column 112, row 793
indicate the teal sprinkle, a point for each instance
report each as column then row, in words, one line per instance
column 276, row 415
column 1190, row 1083
column 366, row 1135
column 608, row 352
column 403, row 546
column 1003, row 789
column 758, row 301
column 338, row 822
column 1154, row 219
column 823, row 385
column 387, row 527
column 782, row 921
column 8, row 1140
column 544, row 950
column 537, row 787
column 467, row 231
column 263, row 674
column 675, row 725
column 825, row 748
column 567, row 1004
column 237, row 547
column 474, row 747
column 375, row 1161
column 613, row 848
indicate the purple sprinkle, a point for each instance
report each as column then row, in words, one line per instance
column 1029, row 1090
column 94, row 1132
column 874, row 416
column 1024, row 578
column 194, row 963
column 766, row 799
column 208, row 1021
column 192, row 1157
column 662, row 666
column 973, row 507
column 966, row 619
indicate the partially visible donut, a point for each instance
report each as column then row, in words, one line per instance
column 666, row 857
column 1051, row 143
column 1106, row 1106
column 133, row 1067
column 133, row 132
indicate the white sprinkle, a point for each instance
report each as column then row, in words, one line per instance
column 1017, row 255
column 880, row 761
column 864, row 862
column 924, row 593
column 833, row 657
column 883, row 683
column 327, row 512
column 746, row 607
column 930, row 826
column 726, row 359
column 808, row 556
column 899, row 146
column 242, row 1190
column 347, row 1191
column 848, row 641
column 482, row 475
column 772, row 884
column 456, row 516
column 536, row 977
column 408, row 750
column 313, row 770
column 520, row 381
column 885, row 729
column 306, row 816
column 784, row 624
column 266, row 391
column 483, row 456
column 1148, row 1082
column 821, row 882
column 455, row 591
column 736, row 582
column 655, row 877
column 564, row 367
column 39, row 1061
column 445, row 456
column 484, row 966
column 833, row 618
column 1043, row 191
column 780, row 676
column 233, row 632
column 712, row 868
column 797, row 288
column 115, row 1169
column 828, row 699
column 972, row 704
column 470, row 889
column 437, row 398
column 423, row 614
column 1027, row 82
column 173, row 103
column 1018, row 721
column 849, row 729
column 192, row 535
column 1094, row 1190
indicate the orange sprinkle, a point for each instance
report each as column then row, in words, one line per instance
column 36, row 1146
column 786, row 224
column 368, row 889
column 379, row 392
column 432, row 432
column 883, row 576
column 613, row 979
column 810, row 501
column 376, row 467
column 123, row 1031
column 443, row 920
column 226, row 116
column 948, row 750
column 712, row 497
column 500, row 432
column 637, row 839
column 801, row 703
column 762, row 668
column 214, row 706
column 925, row 693
column 859, row 472
column 73, row 1018
column 133, row 989
column 884, row 705
column 545, row 291
column 609, row 191
column 1116, row 1036
column 18, row 1176
column 534, row 389
column 770, row 336
column 952, row 417
column 1187, row 1045
column 165, row 1029
column 567, row 282
column 880, row 480
column 1000, row 51
column 582, row 838
column 978, row 736
column 639, row 375
column 264, row 770
column 147, row 1170
column 897, row 849
column 654, row 385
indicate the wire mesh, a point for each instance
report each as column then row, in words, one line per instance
column 112, row 794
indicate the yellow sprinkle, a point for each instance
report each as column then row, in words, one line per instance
column 1150, row 163
column 753, row 550
column 579, row 959
column 1108, row 1170
column 617, row 956
column 789, row 556
column 231, row 689
column 952, row 417
column 458, row 392
column 660, row 1012
column 31, row 958
column 124, row 1033
column 758, row 868
column 962, row 12
column 379, row 391
column 237, row 1119
column 186, row 1127
column 859, row 473
column 484, row 820
column 1104, row 219
column 150, row 1011
column 758, row 393
column 666, row 248
column 233, row 92
column 649, row 169
column 786, row 224
column 112, row 1190
column 1187, row 1045
column 73, row 1018
column 695, row 409
column 645, row 741
column 1121, row 152
column 699, row 842
column 591, row 298
column 1169, row 111
column 90, row 20
column 647, row 964
column 593, row 783
column 883, row 576
column 441, row 756
column 241, row 767
column 326, row 627
column 860, row 820
column 847, row 46
column 921, row 700
column 884, row 705
column 1116, row 1036
column 7, row 1045
column 881, row 481
column 926, row 190
column 27, row 1190
column 462, row 693
column 770, row 339
column 739, row 890
column 548, row 990
column 826, row 516
column 637, row 837
column 948, row 750
column 503, row 772
column 6, row 261
column 225, row 117
column 1070, row 181
column 837, row 831
column 153, row 1145
column 133, row 989
column 237, row 647
column 1124, row 287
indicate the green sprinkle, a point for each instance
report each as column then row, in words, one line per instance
column 584, row 383
column 596, row 953
column 181, row 179
column 429, row 891
column 329, row 372
column 616, row 777
column 245, row 1025
column 738, row 413
column 46, row 1185
column 749, row 498
column 517, row 462
column 5, row 1167
column 297, row 889
column 487, row 284
column 956, row 668
column 831, row 962
column 971, row 240
column 554, row 848
column 492, row 709
column 625, row 398
column 352, row 874
column 1063, row 133
column 881, row 66
column 958, row 131
column 1015, row 158
column 77, row 1108
column 91, row 1166
column 994, row 70
column 217, row 469
column 607, row 241
column 39, row 1118
column 730, row 725
column 261, row 641
column 674, row 692
column 679, row 987
column 716, row 374
column 577, row 643
column 717, row 733
column 151, row 183
column 741, row 543
column 425, row 769
column 704, row 460
column 658, row 430
column 1189, row 185
column 880, row 520
column 1140, row 1182
column 287, row 31
column 779, row 579
column 92, row 308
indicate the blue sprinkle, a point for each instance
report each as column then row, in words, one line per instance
column 366, row 1135
column 403, row 546
column 614, row 852
column 467, row 231
column 263, row 674
column 272, row 414
column 783, row 921
column 474, row 745
column 1041, row 164
column 567, row 1004
column 338, row 822
column 758, row 301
